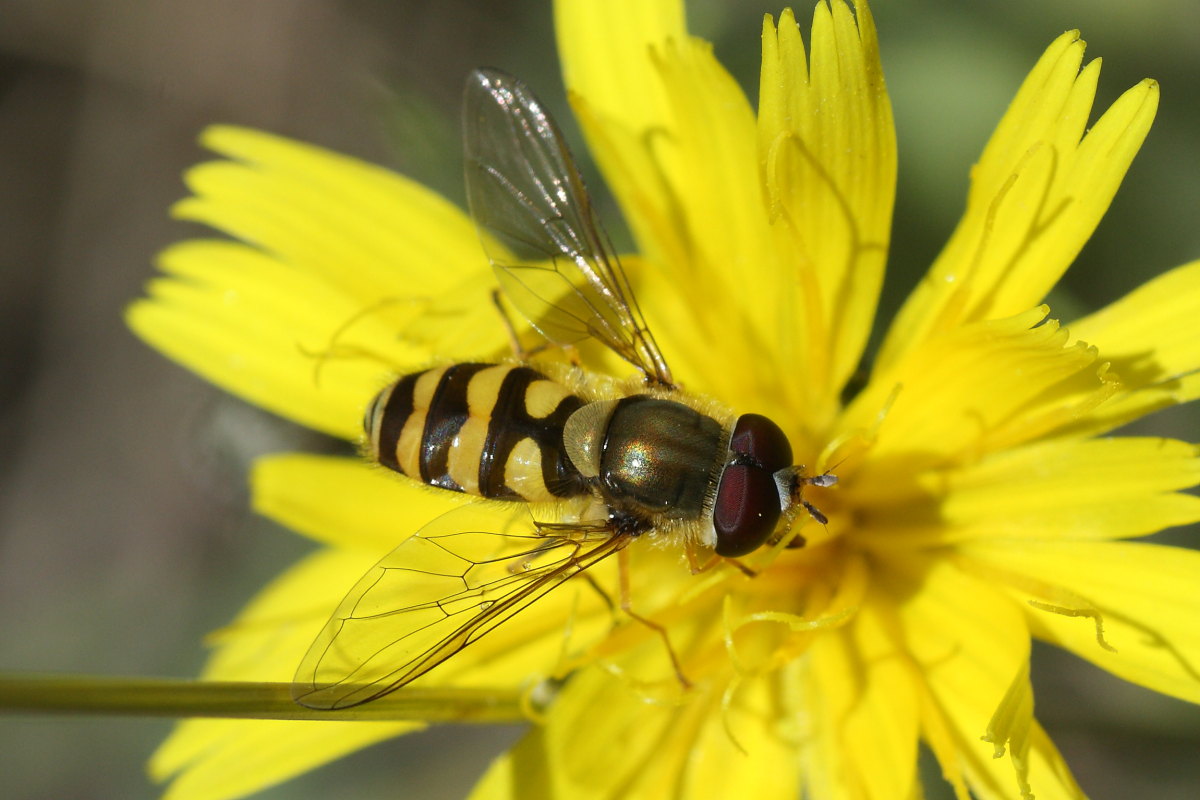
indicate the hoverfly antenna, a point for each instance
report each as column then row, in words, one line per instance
column 791, row 482
column 814, row 512
column 822, row 480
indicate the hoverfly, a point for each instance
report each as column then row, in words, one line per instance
column 647, row 460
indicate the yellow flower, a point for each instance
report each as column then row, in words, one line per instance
column 978, row 507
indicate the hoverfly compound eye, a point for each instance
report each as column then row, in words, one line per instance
column 748, row 505
column 758, row 441
column 746, row 511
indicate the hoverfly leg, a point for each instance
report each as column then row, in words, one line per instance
column 550, row 528
column 608, row 601
column 510, row 330
column 697, row 567
column 694, row 564
column 747, row 571
column 519, row 351
column 572, row 354
column 627, row 607
column 337, row 349
column 797, row 541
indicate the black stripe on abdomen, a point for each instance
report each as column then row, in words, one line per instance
column 398, row 409
column 511, row 423
column 560, row 475
column 447, row 412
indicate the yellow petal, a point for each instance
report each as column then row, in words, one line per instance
column 1143, row 595
column 689, row 192
column 710, row 245
column 258, row 329
column 1036, row 195
column 367, row 232
column 255, row 754
column 1061, row 489
column 1148, row 337
column 394, row 248
column 604, row 49
column 345, row 502
column 1045, row 771
column 525, row 772
column 225, row 758
column 268, row 637
column 1014, row 733
column 639, row 750
column 674, row 136
column 979, row 388
column 864, row 730
column 827, row 155
column 230, row 758
column 354, row 272
column 969, row 645
column 1040, row 771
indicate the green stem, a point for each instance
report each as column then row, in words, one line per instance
column 156, row 697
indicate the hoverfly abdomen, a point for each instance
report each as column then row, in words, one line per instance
column 494, row 430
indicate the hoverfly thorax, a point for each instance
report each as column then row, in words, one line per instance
column 648, row 457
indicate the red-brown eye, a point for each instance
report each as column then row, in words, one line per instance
column 746, row 510
column 760, row 441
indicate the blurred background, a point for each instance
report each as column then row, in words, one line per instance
column 124, row 533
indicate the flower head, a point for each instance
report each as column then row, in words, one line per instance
column 978, row 506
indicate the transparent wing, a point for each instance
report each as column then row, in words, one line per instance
column 549, row 251
column 439, row 591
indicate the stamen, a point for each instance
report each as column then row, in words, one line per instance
column 726, row 713
column 1009, row 728
column 1090, row 613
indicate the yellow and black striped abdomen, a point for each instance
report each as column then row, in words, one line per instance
column 494, row 430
